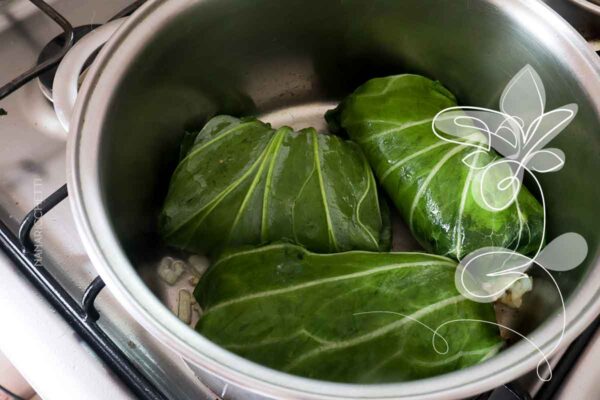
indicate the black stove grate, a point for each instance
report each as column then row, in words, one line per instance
column 81, row 317
column 21, row 250
column 38, row 69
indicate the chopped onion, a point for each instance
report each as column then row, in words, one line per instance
column 184, row 307
column 514, row 295
column 170, row 270
column 199, row 264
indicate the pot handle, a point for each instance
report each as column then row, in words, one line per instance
column 66, row 80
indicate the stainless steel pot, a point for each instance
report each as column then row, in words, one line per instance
column 174, row 63
column 589, row 5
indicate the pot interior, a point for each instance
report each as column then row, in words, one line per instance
column 273, row 58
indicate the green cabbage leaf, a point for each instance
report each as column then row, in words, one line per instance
column 243, row 183
column 357, row 316
column 391, row 120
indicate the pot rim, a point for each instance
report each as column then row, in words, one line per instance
column 588, row 5
column 109, row 259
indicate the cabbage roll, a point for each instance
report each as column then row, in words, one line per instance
column 242, row 182
column 391, row 120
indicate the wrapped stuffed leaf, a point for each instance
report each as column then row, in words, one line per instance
column 391, row 120
column 242, row 182
column 349, row 317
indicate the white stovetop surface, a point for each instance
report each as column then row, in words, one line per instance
column 32, row 165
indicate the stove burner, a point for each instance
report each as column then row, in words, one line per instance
column 46, row 79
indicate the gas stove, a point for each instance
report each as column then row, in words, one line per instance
column 34, row 335
column 67, row 335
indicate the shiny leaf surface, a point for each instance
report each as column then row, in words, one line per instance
column 391, row 119
column 242, row 182
column 347, row 317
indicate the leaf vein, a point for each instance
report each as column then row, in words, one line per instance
column 376, row 333
column 354, row 275
column 400, row 162
column 330, row 232
column 431, row 175
column 264, row 158
column 461, row 208
column 214, row 202
column 398, row 129
column 370, row 186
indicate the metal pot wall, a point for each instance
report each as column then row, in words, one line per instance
column 175, row 63
column 589, row 5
